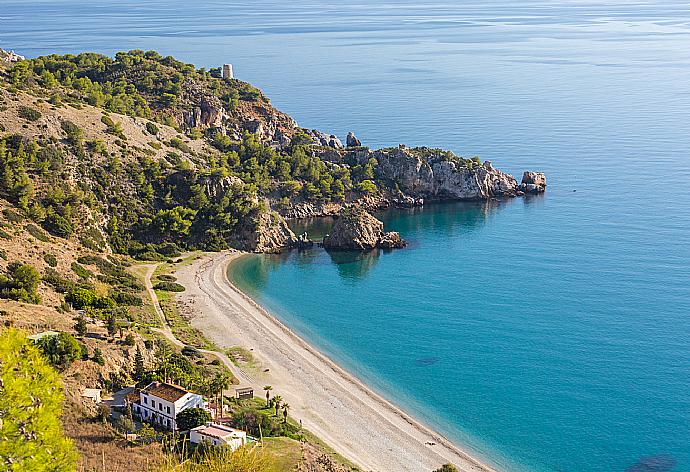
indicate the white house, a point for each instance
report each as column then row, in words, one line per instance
column 218, row 435
column 161, row 402
column 93, row 394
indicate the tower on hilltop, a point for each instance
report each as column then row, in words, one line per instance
column 227, row 71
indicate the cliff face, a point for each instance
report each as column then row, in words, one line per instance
column 419, row 176
column 265, row 232
column 355, row 229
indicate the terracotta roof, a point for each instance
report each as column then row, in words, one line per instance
column 166, row 391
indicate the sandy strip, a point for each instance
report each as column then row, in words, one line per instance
column 355, row 421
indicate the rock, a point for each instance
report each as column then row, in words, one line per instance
column 391, row 240
column 334, row 142
column 533, row 182
column 265, row 232
column 303, row 242
column 355, row 229
column 352, row 140
column 426, row 173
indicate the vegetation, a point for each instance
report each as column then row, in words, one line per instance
column 20, row 283
column 31, row 399
column 192, row 417
column 60, row 350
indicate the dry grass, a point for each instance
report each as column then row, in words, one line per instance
column 101, row 448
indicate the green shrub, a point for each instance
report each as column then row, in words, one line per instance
column 167, row 278
column 129, row 299
column 60, row 350
column 37, row 233
column 59, row 283
column 29, row 113
column 85, row 298
column 81, row 271
column 58, row 225
column 12, row 216
column 169, row 287
column 152, row 128
column 20, row 283
column 50, row 259
column 75, row 135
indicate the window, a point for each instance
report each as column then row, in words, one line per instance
column 153, row 403
column 146, row 401
column 168, row 410
column 160, row 406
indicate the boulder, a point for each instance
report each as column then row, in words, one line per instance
column 391, row 240
column 334, row 142
column 355, row 229
column 352, row 140
column 533, row 182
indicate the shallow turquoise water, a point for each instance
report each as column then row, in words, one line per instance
column 550, row 333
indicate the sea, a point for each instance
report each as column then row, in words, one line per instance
column 544, row 333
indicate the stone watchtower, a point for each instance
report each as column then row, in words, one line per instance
column 227, row 71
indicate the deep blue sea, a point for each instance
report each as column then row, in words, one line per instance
column 548, row 333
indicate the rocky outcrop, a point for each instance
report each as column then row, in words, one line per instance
column 423, row 174
column 355, row 229
column 265, row 232
column 352, row 140
column 533, row 182
column 322, row 139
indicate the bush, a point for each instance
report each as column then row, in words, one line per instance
column 192, row 417
column 167, row 278
column 37, row 233
column 58, row 282
column 20, row 283
column 60, row 350
column 152, row 128
column 84, row 298
column 129, row 340
column 98, row 357
column 169, row 287
column 50, row 259
column 58, row 225
column 29, row 113
column 128, row 299
column 81, row 271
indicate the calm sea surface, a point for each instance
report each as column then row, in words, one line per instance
column 550, row 333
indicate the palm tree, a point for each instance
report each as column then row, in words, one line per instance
column 268, row 389
column 286, row 407
column 276, row 400
column 220, row 382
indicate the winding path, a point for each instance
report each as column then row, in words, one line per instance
column 241, row 376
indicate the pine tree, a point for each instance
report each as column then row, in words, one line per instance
column 81, row 327
column 112, row 325
column 98, row 357
column 139, row 368
column 31, row 395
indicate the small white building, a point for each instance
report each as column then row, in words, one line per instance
column 218, row 435
column 93, row 394
column 227, row 71
column 161, row 402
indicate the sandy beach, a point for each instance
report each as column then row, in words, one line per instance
column 354, row 420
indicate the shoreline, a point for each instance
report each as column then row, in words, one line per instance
column 339, row 408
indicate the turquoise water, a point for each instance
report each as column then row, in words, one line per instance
column 550, row 333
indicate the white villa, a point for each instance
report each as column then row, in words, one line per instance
column 218, row 435
column 161, row 402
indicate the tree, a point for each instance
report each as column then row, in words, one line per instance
column 98, row 357
column 60, row 349
column 268, row 389
column 81, row 327
column 276, row 402
column 139, row 368
column 286, row 407
column 20, row 283
column 31, row 397
column 219, row 383
column 129, row 340
column 191, row 418
column 111, row 325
